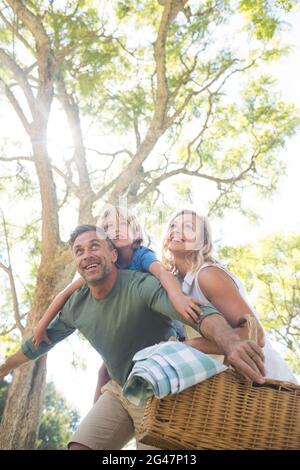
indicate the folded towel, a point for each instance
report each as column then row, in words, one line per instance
column 166, row 369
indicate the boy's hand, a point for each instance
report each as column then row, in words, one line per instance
column 187, row 307
column 39, row 335
column 4, row 371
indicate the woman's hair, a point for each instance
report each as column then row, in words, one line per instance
column 196, row 257
column 117, row 211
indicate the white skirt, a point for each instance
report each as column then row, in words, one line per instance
column 276, row 367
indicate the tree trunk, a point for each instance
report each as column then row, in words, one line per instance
column 20, row 421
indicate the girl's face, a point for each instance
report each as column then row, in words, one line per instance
column 184, row 234
column 119, row 231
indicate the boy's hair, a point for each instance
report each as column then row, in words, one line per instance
column 131, row 219
column 90, row 228
column 197, row 257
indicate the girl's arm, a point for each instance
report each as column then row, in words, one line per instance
column 56, row 305
column 223, row 294
column 186, row 306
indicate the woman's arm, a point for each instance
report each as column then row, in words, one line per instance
column 184, row 305
column 39, row 333
column 224, row 295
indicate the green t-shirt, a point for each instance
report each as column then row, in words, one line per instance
column 135, row 314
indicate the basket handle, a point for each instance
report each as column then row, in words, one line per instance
column 252, row 326
column 252, row 331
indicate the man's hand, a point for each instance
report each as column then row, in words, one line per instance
column 188, row 307
column 244, row 355
column 247, row 358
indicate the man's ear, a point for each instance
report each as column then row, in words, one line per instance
column 114, row 255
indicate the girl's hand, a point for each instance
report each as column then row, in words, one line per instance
column 188, row 307
column 39, row 335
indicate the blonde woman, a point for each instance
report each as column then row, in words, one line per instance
column 187, row 253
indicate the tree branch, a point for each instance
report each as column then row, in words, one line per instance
column 70, row 106
column 157, row 125
column 20, row 78
column 9, row 271
column 11, row 159
column 12, row 328
column 45, row 60
column 16, row 33
column 69, row 183
column 17, row 107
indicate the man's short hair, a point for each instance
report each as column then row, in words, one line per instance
column 90, row 228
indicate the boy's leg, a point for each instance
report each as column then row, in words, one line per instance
column 107, row 426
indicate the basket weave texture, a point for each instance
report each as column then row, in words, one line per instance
column 225, row 412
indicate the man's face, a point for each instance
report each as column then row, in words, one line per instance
column 93, row 256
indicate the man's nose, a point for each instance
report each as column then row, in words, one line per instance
column 87, row 253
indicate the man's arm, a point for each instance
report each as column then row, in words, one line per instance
column 12, row 363
column 245, row 356
column 157, row 299
column 56, row 332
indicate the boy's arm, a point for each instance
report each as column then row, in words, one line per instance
column 186, row 306
column 12, row 362
column 58, row 302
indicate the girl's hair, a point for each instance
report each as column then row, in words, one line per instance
column 197, row 257
column 117, row 211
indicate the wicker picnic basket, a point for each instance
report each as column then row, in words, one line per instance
column 225, row 412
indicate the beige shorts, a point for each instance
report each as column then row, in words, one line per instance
column 111, row 423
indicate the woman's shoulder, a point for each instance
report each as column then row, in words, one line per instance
column 213, row 271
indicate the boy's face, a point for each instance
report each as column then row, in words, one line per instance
column 119, row 231
column 93, row 256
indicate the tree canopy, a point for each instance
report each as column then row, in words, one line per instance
column 124, row 99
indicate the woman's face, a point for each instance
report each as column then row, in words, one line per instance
column 184, row 234
column 118, row 230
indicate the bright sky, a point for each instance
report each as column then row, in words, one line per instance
column 277, row 213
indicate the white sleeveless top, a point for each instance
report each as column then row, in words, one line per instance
column 276, row 368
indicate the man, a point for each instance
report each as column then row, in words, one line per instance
column 121, row 312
